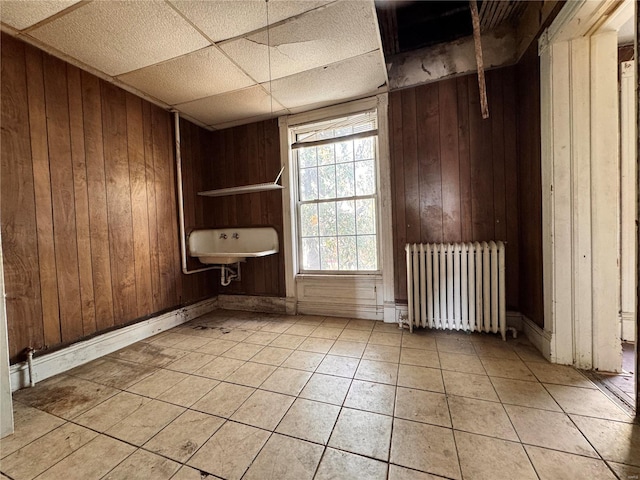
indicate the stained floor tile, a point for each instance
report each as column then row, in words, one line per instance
column 285, row 458
column 309, row 420
column 336, row 464
column 364, row 433
column 551, row 465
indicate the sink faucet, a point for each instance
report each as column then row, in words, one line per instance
column 223, row 235
column 235, row 235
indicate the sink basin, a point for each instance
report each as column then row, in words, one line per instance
column 224, row 246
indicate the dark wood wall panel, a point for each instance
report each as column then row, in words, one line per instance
column 454, row 175
column 245, row 155
column 530, row 186
column 89, row 205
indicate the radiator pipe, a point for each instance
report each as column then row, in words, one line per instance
column 32, row 381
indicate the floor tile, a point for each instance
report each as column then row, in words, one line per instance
column 144, row 465
column 145, row 422
column 30, row 424
column 559, row 374
column 424, row 447
column 381, row 353
column 422, row 378
column 326, row 388
column 191, row 342
column 286, row 380
column 242, row 351
column 461, row 363
column 309, row 420
column 422, row 406
column 300, row 360
column 486, row 458
column 251, row 374
column 91, row 461
column 469, row 385
column 552, row 465
column 288, row 341
column 188, row 391
column 402, row 473
column 65, row 396
column 358, row 324
column 276, row 327
column 113, row 373
column 111, row 411
column 223, row 400
column 587, row 402
column 230, row 451
column 220, row 368
column 388, row 339
column 167, row 339
column 548, row 429
column 615, row 441
column 285, row 458
column 272, row 356
column 455, row 346
column 316, row 345
column 188, row 473
column 261, row 338
column 421, row 358
column 505, row 368
column 481, row 417
column 383, row 372
column 217, row 346
column 148, row 354
column 372, row 397
column 236, row 335
column 263, row 409
column 364, row 433
column 184, row 436
column 301, row 329
column 355, row 336
column 34, row 458
column 340, row 366
column 387, row 327
column 156, row 383
column 495, row 351
column 336, row 464
column 334, row 322
column 523, row 393
column 528, row 353
column 419, row 341
column 625, row 472
column 191, row 362
column 329, row 333
column 310, row 319
column 347, row 349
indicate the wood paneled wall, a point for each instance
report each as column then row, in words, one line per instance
column 530, row 186
column 455, row 175
column 89, row 212
column 241, row 156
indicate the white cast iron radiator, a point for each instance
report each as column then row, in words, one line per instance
column 457, row 286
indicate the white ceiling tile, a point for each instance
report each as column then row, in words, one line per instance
column 321, row 37
column 196, row 75
column 117, row 37
column 244, row 121
column 21, row 14
column 223, row 19
column 350, row 78
column 231, row 106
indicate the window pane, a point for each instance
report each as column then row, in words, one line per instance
column 345, row 180
column 327, row 182
column 347, row 253
column 327, row 218
column 310, row 254
column 309, row 220
column 367, row 256
column 364, row 148
column 307, row 157
column 308, row 184
column 366, row 216
column 325, row 155
column 346, row 213
column 344, row 152
column 365, row 178
column 328, row 253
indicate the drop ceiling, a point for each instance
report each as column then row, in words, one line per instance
column 218, row 62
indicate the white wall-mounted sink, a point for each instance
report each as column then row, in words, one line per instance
column 223, row 246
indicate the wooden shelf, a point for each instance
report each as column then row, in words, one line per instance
column 259, row 187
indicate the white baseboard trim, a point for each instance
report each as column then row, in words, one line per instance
column 83, row 352
column 628, row 326
column 541, row 339
column 348, row 310
column 253, row 303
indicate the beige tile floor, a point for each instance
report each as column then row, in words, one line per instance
column 237, row 395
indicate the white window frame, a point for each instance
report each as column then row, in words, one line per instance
column 381, row 304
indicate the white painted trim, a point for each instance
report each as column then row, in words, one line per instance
column 628, row 322
column 6, row 402
column 541, row 339
column 253, row 303
column 82, row 352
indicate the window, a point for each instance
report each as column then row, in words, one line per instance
column 337, row 194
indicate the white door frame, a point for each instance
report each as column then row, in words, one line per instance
column 6, row 402
column 581, row 183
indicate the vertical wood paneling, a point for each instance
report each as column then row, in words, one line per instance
column 42, row 190
column 97, row 197
column 88, row 203
column 19, row 232
column 464, row 165
column 62, row 189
